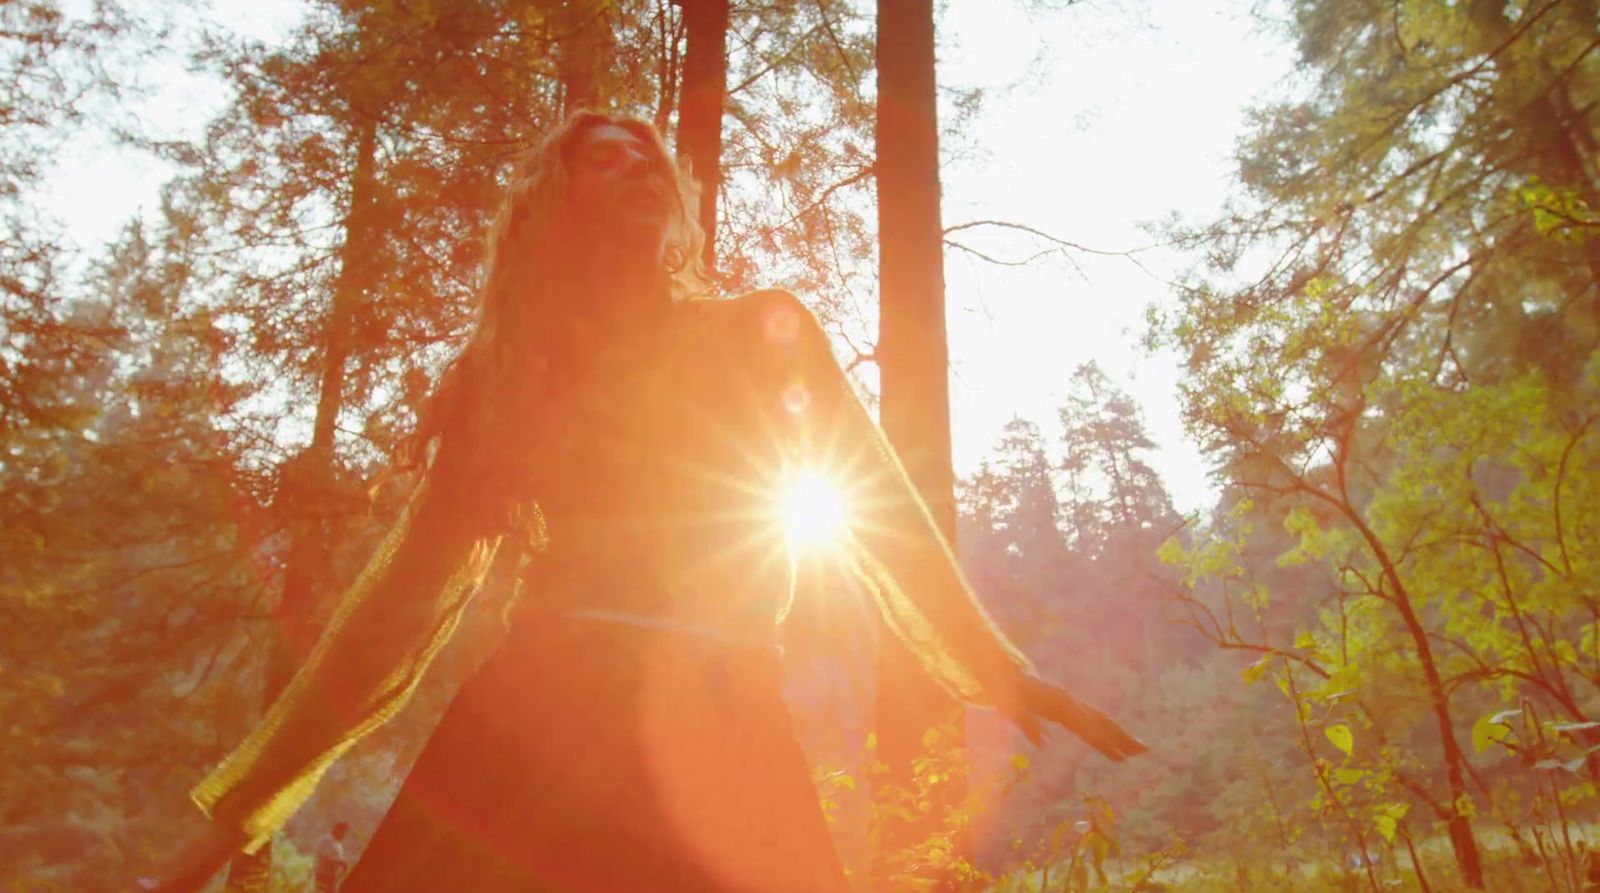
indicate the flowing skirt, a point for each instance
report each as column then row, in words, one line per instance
column 591, row 756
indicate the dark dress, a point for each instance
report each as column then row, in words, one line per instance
column 630, row 734
column 633, row 759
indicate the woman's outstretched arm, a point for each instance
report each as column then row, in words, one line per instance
column 896, row 549
column 367, row 663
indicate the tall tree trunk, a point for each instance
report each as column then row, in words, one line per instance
column 356, row 277
column 913, row 360
column 308, row 481
column 705, row 85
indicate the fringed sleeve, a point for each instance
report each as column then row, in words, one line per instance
column 896, row 549
column 386, row 630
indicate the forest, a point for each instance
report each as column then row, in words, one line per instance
column 1370, row 662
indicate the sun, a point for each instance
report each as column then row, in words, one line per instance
column 813, row 509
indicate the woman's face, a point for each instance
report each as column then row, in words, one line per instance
column 620, row 188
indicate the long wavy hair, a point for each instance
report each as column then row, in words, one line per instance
column 481, row 426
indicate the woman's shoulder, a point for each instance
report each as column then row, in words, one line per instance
column 771, row 316
column 768, row 346
column 749, row 305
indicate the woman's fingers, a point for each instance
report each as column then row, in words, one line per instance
column 1056, row 704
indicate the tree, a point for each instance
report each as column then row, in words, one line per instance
column 50, row 76
column 1427, row 208
column 913, row 360
column 705, row 86
column 1031, row 511
column 1109, row 483
column 1117, row 509
column 1011, row 543
column 131, row 563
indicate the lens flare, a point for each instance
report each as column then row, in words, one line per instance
column 813, row 509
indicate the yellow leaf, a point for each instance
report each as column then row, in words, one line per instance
column 1341, row 737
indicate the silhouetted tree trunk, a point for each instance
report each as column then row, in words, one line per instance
column 705, row 85
column 308, row 486
column 308, row 558
column 913, row 359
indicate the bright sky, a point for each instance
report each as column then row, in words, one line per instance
column 1101, row 117
column 1129, row 114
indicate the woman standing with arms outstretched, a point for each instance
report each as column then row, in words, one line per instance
column 629, row 734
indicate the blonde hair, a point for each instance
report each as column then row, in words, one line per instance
column 490, row 404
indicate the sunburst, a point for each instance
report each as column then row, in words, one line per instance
column 814, row 512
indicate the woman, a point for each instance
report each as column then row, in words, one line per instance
column 630, row 733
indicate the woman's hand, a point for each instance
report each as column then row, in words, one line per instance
column 200, row 860
column 1041, row 700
